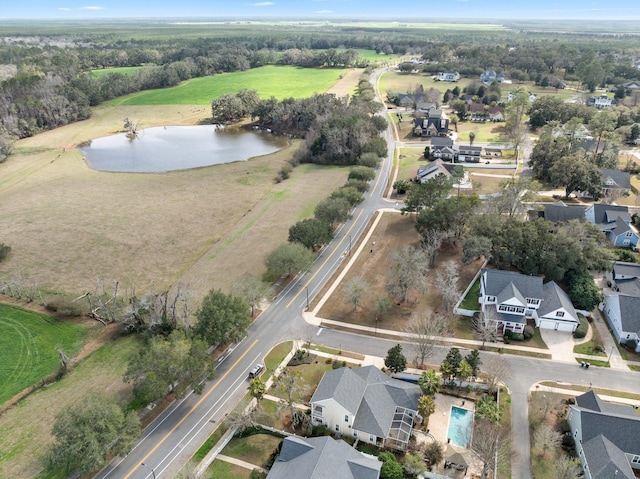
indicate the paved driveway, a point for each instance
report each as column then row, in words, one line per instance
column 560, row 343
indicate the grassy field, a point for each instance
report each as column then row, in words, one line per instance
column 105, row 71
column 254, row 449
column 147, row 230
column 26, row 427
column 29, row 344
column 279, row 81
column 224, row 470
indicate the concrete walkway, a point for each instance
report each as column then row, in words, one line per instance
column 610, row 347
column 239, row 462
column 574, row 392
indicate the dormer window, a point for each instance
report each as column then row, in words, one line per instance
column 559, row 314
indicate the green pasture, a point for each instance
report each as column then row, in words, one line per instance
column 106, row 71
column 29, row 343
column 371, row 55
column 278, row 81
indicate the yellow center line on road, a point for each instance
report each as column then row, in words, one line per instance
column 325, row 261
column 184, row 418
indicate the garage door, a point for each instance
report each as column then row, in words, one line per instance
column 558, row 325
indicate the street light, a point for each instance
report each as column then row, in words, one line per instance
column 307, row 288
column 610, row 353
column 150, row 468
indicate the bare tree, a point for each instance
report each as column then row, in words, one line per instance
column 498, row 371
column 290, row 383
column 432, row 240
column 408, row 268
column 446, row 280
column 485, row 327
column 545, row 403
column 491, row 444
column 355, row 290
column 253, row 290
column 425, row 330
column 239, row 420
column 566, row 468
column 545, row 438
column 512, row 199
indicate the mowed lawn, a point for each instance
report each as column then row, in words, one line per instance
column 29, row 344
column 278, row 81
column 105, row 71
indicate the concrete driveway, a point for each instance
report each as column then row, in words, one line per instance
column 560, row 344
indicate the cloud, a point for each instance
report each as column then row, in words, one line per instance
column 262, row 4
column 91, row 7
column 323, row 11
column 63, row 9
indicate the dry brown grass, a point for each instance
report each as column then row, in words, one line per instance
column 347, row 84
column 392, row 232
column 69, row 225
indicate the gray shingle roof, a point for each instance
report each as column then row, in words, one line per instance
column 628, row 287
column 626, row 269
column 622, row 430
column 591, row 401
column 440, row 142
column 603, row 211
column 497, row 280
column 561, row 212
column 605, row 460
column 621, row 178
column 322, row 458
column 370, row 395
column 510, row 291
column 629, row 317
column 555, row 298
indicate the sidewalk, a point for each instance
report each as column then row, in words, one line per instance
column 238, row 462
column 573, row 392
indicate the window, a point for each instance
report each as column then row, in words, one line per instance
column 338, row 427
column 511, row 309
column 372, row 438
column 625, row 242
column 635, row 460
column 346, row 418
column 491, row 299
column 533, row 301
column 559, row 314
column 318, row 410
column 629, row 234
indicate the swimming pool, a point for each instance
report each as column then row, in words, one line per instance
column 460, row 426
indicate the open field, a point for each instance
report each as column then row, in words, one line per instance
column 347, row 84
column 147, row 230
column 29, row 344
column 279, row 81
column 26, row 427
column 486, row 132
column 105, row 71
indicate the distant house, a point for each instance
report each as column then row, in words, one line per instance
column 489, row 76
column 510, row 298
column 606, row 437
column 615, row 222
column 602, row 101
column 425, row 106
column 615, row 182
column 442, row 148
column 468, row 154
column 322, row 457
column 449, row 75
column 435, row 123
column 532, row 97
column 366, row 404
column 632, row 86
column 433, row 169
column 481, row 112
column 409, row 100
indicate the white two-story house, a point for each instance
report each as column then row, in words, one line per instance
column 366, row 404
column 509, row 299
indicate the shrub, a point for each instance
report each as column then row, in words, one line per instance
column 5, row 249
column 568, row 443
column 517, row 337
column 363, row 173
column 631, row 344
column 571, row 401
column 581, row 331
column 507, row 334
column 338, row 364
column 368, row 159
column 360, row 185
column 528, row 332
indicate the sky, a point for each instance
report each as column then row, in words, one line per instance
column 320, row 9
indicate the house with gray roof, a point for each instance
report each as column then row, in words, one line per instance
column 606, row 437
column 433, row 169
column 366, row 404
column 556, row 310
column 615, row 222
column 622, row 312
column 509, row 299
column 435, row 123
column 560, row 211
column 322, row 458
column 615, row 182
column 625, row 278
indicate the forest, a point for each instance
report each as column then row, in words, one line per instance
column 46, row 79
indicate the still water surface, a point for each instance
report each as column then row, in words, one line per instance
column 171, row 148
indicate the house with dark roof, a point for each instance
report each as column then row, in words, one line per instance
column 409, row 100
column 322, row 458
column 622, row 312
column 366, row 404
column 489, row 76
column 624, row 278
column 433, row 169
column 615, row 182
column 468, row 154
column 615, row 222
column 509, row 299
column 442, row 148
column 481, row 112
column 606, row 437
column 560, row 211
column 632, row 86
column 435, row 123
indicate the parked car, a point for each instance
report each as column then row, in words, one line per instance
column 256, row 371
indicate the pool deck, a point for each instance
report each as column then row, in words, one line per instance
column 438, row 427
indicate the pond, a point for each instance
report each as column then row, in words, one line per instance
column 170, row 148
